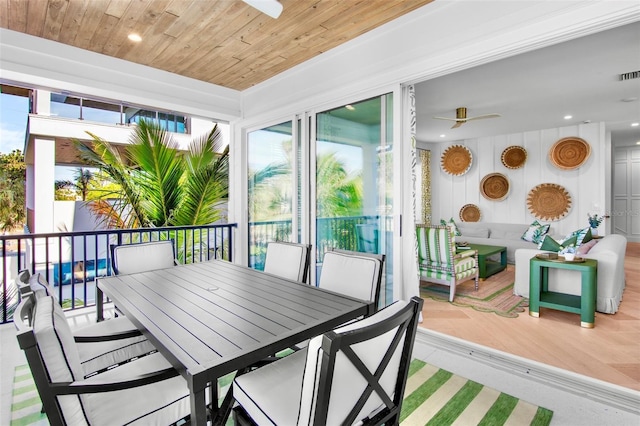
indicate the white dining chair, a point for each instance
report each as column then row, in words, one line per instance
column 356, row 373
column 142, row 257
column 353, row 274
column 288, row 260
column 101, row 345
column 146, row 391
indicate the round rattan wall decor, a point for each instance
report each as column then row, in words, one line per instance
column 514, row 157
column 470, row 213
column 549, row 201
column 456, row 160
column 569, row 153
column 494, row 186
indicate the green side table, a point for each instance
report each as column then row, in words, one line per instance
column 540, row 296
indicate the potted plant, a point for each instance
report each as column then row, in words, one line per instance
column 594, row 221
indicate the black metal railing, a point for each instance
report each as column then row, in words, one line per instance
column 332, row 232
column 71, row 261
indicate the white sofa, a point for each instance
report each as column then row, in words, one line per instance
column 608, row 251
column 507, row 235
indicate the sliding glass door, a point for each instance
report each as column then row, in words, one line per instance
column 324, row 178
column 354, row 191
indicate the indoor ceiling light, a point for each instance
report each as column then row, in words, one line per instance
column 568, row 117
column 272, row 8
column 635, row 124
column 134, row 37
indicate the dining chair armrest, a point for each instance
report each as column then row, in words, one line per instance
column 95, row 386
column 126, row 334
column 466, row 253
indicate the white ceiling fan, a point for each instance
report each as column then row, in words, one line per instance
column 272, row 8
column 461, row 117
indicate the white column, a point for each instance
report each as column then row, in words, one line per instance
column 44, row 158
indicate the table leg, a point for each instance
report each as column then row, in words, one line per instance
column 198, row 407
column 534, row 288
column 482, row 264
column 99, row 304
column 588, row 299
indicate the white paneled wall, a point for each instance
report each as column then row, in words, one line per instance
column 586, row 185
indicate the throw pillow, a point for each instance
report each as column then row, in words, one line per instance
column 536, row 232
column 452, row 226
column 582, row 236
column 585, row 247
column 549, row 244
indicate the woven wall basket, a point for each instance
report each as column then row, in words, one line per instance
column 569, row 153
column 470, row 213
column 549, row 201
column 514, row 157
column 495, row 186
column 456, row 160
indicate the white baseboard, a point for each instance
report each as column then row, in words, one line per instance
column 586, row 387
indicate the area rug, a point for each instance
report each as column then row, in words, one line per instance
column 432, row 397
column 492, row 296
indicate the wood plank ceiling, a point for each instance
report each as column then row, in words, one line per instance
column 224, row 42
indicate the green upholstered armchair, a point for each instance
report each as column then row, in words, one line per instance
column 438, row 261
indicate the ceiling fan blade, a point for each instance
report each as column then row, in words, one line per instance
column 450, row 119
column 458, row 124
column 272, row 8
column 480, row 117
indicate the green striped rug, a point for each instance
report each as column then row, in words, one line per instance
column 432, row 397
column 437, row 397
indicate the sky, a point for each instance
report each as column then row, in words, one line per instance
column 13, row 122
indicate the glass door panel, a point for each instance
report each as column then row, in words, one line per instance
column 272, row 197
column 354, row 191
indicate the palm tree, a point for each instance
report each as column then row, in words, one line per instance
column 81, row 184
column 156, row 184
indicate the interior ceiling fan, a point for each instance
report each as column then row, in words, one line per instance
column 461, row 117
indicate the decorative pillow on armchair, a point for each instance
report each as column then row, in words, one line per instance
column 452, row 227
column 536, row 232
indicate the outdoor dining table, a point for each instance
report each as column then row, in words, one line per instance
column 212, row 318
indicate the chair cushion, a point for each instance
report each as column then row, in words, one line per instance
column 40, row 287
column 351, row 275
column 59, row 354
column 286, row 260
column 134, row 258
column 97, row 356
column 434, row 245
column 163, row 402
column 271, row 394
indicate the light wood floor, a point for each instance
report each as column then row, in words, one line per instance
column 609, row 352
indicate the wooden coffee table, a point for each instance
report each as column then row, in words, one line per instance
column 487, row 266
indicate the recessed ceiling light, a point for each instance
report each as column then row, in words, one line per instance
column 635, row 124
column 638, row 143
column 134, row 37
column 568, row 117
column 442, row 136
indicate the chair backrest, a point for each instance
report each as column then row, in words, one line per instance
column 435, row 245
column 52, row 355
column 353, row 274
column 360, row 370
column 142, row 257
column 288, row 260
